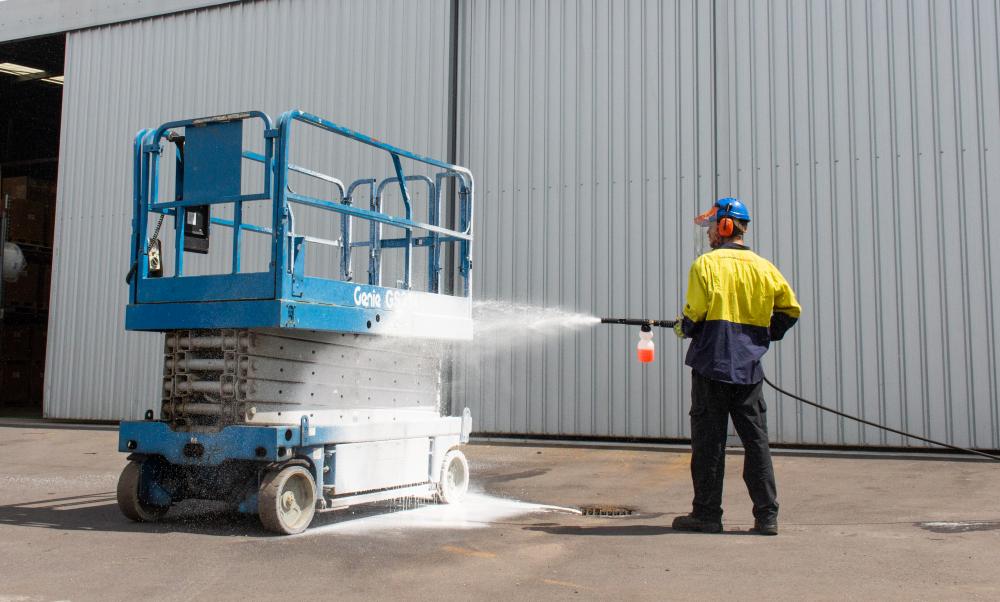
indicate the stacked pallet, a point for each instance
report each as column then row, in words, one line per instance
column 22, row 363
column 30, row 223
column 29, row 214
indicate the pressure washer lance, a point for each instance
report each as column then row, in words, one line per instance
column 645, row 350
column 645, row 353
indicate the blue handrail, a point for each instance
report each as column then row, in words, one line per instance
column 287, row 247
column 463, row 175
column 376, row 273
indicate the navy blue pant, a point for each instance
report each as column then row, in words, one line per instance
column 712, row 404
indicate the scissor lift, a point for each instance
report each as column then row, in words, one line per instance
column 284, row 392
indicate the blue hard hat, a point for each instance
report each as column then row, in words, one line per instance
column 731, row 207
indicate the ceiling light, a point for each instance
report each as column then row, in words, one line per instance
column 58, row 79
column 15, row 69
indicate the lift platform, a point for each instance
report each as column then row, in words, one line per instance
column 285, row 391
column 209, row 159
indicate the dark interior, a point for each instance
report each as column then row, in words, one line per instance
column 30, row 115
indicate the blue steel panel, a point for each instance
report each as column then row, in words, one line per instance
column 212, row 314
column 374, row 304
column 280, row 314
column 338, row 292
column 314, row 316
column 252, row 314
column 235, row 287
column 213, row 160
column 231, row 443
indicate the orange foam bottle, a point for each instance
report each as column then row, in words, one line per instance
column 646, row 350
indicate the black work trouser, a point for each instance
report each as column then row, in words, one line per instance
column 712, row 403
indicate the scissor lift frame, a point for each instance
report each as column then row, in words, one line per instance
column 256, row 467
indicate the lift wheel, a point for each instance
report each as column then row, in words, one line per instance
column 287, row 500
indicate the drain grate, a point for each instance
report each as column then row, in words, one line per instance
column 606, row 511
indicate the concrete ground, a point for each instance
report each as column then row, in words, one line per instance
column 851, row 528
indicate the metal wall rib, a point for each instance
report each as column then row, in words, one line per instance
column 588, row 126
column 860, row 133
column 379, row 67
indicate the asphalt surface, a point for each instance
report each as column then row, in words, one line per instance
column 851, row 528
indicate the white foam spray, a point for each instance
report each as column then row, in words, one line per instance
column 498, row 319
column 496, row 325
column 476, row 511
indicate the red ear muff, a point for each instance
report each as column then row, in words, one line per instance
column 726, row 227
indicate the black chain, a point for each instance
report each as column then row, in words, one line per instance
column 156, row 234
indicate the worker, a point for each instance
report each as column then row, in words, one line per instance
column 737, row 303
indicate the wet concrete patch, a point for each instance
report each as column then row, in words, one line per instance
column 959, row 526
column 478, row 510
column 496, row 479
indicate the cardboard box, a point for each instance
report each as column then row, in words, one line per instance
column 26, row 290
column 23, row 342
column 30, row 213
column 30, row 189
column 39, row 341
column 27, row 222
column 16, row 341
column 15, row 382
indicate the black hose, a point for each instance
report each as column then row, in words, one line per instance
column 879, row 426
column 645, row 322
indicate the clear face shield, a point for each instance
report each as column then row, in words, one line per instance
column 705, row 234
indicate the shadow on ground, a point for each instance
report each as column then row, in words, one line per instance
column 99, row 512
column 626, row 530
column 603, row 530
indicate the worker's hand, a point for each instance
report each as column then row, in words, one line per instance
column 678, row 327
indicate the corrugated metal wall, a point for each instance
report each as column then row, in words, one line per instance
column 859, row 133
column 30, row 18
column 589, row 128
column 389, row 79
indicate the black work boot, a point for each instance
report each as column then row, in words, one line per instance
column 765, row 527
column 690, row 522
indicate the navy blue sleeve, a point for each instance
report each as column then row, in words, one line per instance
column 780, row 323
column 690, row 327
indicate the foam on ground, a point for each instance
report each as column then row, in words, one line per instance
column 476, row 511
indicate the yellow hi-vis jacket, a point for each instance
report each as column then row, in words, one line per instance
column 737, row 303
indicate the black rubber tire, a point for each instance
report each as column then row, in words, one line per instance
column 128, row 496
column 280, row 513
